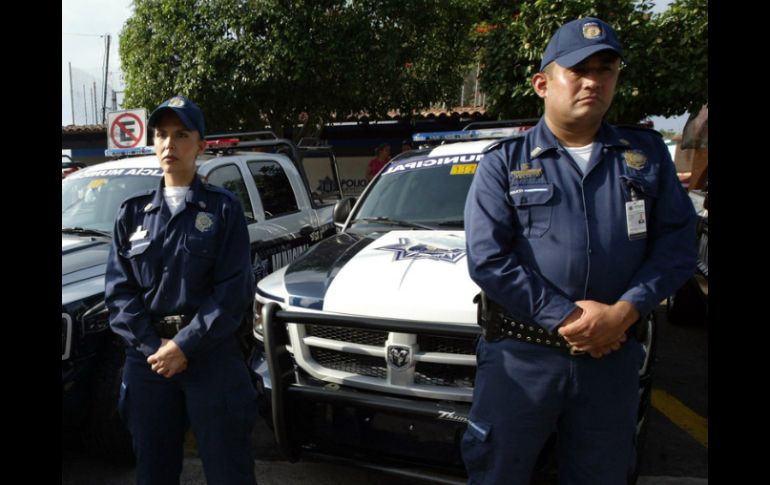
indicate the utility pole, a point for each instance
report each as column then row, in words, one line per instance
column 85, row 103
column 96, row 109
column 72, row 94
column 106, row 70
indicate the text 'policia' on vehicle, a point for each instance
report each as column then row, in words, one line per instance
column 284, row 218
column 370, row 337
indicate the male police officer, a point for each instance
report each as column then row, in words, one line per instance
column 574, row 230
column 178, row 283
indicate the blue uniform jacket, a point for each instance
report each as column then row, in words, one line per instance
column 194, row 263
column 542, row 235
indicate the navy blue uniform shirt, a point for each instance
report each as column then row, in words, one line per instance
column 195, row 262
column 542, row 235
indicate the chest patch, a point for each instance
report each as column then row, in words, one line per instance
column 635, row 159
column 204, row 221
column 527, row 172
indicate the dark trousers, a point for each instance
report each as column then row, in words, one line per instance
column 214, row 395
column 524, row 392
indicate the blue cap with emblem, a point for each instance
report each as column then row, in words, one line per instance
column 578, row 39
column 187, row 111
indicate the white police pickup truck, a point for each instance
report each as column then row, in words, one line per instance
column 370, row 336
column 284, row 218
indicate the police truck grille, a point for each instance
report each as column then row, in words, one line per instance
column 343, row 334
column 449, row 345
column 354, row 363
column 444, row 375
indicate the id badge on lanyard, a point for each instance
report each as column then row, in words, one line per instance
column 636, row 217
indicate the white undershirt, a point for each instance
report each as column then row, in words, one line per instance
column 174, row 197
column 581, row 155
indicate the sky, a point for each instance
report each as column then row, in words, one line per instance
column 85, row 23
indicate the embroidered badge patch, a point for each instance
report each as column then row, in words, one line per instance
column 591, row 30
column 204, row 221
column 635, row 159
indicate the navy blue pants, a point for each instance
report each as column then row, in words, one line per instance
column 524, row 392
column 214, row 395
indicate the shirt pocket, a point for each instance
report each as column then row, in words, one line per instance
column 532, row 203
column 645, row 187
column 138, row 256
column 200, row 245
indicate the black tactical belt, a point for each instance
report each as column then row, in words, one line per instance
column 496, row 325
column 168, row 326
column 499, row 326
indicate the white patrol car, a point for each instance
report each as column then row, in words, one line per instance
column 370, row 336
column 284, row 218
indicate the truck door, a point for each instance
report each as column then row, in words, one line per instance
column 288, row 220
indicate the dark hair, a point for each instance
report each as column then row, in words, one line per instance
column 380, row 148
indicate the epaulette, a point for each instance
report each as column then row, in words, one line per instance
column 136, row 195
column 639, row 128
column 229, row 196
column 499, row 142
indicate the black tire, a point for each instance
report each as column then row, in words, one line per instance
column 688, row 306
column 105, row 433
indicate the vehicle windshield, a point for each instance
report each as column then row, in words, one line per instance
column 93, row 202
column 431, row 196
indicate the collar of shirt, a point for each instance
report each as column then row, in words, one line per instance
column 543, row 140
column 194, row 195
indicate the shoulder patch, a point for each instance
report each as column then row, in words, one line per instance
column 499, row 143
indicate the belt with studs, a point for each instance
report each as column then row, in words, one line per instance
column 496, row 325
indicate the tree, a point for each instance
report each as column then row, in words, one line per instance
column 254, row 62
column 665, row 72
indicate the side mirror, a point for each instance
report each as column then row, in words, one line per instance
column 342, row 210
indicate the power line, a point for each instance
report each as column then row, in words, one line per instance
column 83, row 35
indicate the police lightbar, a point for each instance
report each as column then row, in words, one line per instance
column 470, row 134
column 124, row 152
column 222, row 143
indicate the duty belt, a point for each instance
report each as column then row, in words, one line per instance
column 496, row 325
column 168, row 326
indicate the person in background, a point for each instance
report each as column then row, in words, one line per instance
column 381, row 157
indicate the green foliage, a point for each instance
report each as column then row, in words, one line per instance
column 666, row 55
column 254, row 62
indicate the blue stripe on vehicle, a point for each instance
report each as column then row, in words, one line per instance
column 308, row 278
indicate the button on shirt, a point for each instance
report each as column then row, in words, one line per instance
column 542, row 234
column 195, row 262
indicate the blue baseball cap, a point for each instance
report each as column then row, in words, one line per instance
column 187, row 111
column 578, row 39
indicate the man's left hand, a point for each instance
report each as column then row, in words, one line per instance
column 601, row 329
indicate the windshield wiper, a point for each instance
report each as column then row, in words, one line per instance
column 458, row 223
column 393, row 222
column 82, row 231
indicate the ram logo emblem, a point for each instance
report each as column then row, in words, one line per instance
column 399, row 356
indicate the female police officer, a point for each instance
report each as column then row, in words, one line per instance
column 178, row 283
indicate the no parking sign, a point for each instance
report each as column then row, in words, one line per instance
column 126, row 129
